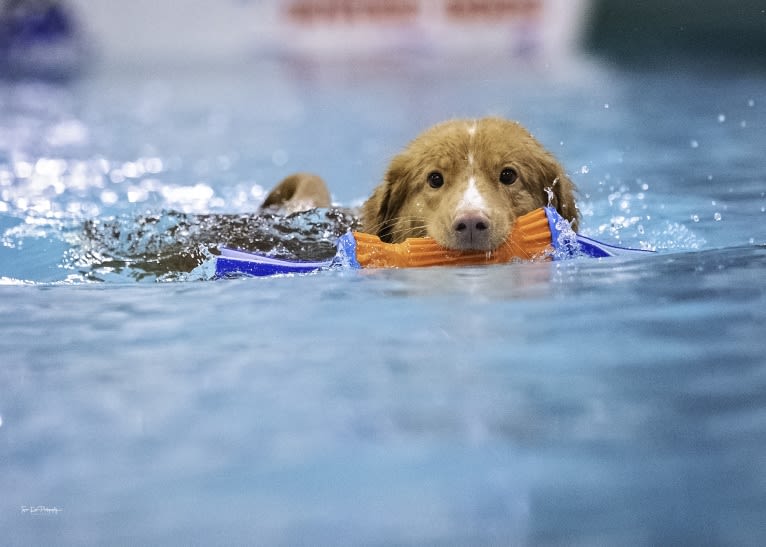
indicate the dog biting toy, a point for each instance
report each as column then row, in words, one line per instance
column 543, row 233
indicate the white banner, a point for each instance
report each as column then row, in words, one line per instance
column 157, row 30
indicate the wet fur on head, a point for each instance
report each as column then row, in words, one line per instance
column 475, row 160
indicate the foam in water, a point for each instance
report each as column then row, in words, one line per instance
column 171, row 245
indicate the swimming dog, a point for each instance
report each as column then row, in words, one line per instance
column 461, row 182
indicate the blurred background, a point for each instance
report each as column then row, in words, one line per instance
column 61, row 38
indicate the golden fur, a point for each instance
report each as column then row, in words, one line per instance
column 464, row 183
column 405, row 205
column 298, row 192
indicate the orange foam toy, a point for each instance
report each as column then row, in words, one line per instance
column 530, row 238
column 538, row 234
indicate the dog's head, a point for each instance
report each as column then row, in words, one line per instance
column 464, row 183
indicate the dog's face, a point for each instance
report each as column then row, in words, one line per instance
column 464, row 183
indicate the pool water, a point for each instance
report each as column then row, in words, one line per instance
column 582, row 402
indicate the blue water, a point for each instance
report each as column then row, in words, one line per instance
column 582, row 402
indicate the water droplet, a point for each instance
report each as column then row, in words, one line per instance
column 721, row 118
column 606, row 105
column 743, row 124
column 116, row 176
column 131, row 170
column 584, row 169
column 695, row 218
column 153, row 165
column 109, row 197
column 694, row 144
column 22, row 169
column 751, row 103
column 717, row 217
column 258, row 192
column 49, row 167
column 279, row 157
column 137, row 194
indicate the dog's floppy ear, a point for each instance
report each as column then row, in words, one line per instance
column 380, row 211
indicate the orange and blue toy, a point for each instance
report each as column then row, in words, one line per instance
column 541, row 234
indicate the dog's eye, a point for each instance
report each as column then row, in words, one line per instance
column 508, row 176
column 435, row 180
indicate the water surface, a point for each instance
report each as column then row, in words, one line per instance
column 580, row 402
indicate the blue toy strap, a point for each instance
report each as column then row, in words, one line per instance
column 563, row 238
column 598, row 249
column 568, row 244
column 232, row 263
column 346, row 255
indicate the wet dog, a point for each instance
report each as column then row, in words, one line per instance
column 461, row 182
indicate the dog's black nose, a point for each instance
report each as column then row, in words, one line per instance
column 471, row 230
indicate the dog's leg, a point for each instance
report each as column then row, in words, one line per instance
column 298, row 192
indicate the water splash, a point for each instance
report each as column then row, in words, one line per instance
column 671, row 236
column 549, row 192
column 174, row 246
column 566, row 243
column 177, row 246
